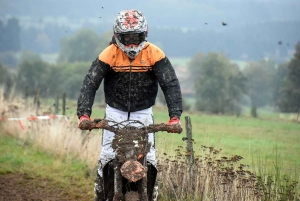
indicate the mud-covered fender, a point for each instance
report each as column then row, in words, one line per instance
column 108, row 178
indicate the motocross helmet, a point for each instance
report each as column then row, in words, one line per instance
column 130, row 30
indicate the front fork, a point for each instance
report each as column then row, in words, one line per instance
column 142, row 187
column 118, row 195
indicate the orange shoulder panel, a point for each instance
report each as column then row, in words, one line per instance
column 156, row 53
column 108, row 55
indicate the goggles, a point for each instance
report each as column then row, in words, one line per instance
column 131, row 38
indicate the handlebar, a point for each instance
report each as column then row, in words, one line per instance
column 116, row 127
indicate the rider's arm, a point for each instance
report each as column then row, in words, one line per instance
column 169, row 84
column 89, row 87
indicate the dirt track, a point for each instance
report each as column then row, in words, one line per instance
column 20, row 187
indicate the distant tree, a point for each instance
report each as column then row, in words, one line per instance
column 2, row 36
column 10, row 35
column 279, row 79
column 67, row 77
column 289, row 100
column 260, row 76
column 219, row 84
column 28, row 55
column 51, row 79
column 3, row 73
column 162, row 100
column 194, row 66
column 6, row 79
column 84, row 45
column 32, row 74
column 55, row 79
column 9, row 59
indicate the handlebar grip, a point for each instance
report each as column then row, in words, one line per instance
column 96, row 124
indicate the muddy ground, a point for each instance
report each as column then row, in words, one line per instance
column 21, row 187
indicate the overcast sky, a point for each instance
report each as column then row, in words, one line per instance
column 178, row 13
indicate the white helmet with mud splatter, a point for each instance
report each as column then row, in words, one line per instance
column 130, row 30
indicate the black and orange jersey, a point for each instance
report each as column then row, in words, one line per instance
column 131, row 85
column 119, row 61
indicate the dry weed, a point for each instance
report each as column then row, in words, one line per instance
column 60, row 136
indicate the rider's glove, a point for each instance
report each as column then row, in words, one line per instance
column 84, row 117
column 174, row 120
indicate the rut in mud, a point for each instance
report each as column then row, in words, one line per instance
column 22, row 187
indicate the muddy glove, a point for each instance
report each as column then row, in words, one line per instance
column 173, row 120
column 84, row 117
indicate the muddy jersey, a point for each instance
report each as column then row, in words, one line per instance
column 131, row 85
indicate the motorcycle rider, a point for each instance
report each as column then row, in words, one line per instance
column 131, row 68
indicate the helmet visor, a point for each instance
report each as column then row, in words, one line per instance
column 131, row 38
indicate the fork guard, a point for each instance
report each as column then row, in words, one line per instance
column 133, row 170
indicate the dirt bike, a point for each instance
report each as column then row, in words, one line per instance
column 129, row 177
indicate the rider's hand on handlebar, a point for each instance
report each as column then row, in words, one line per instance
column 172, row 121
column 84, row 117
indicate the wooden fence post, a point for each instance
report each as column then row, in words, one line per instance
column 26, row 96
column 56, row 104
column 189, row 148
column 190, row 159
column 36, row 101
column 64, row 104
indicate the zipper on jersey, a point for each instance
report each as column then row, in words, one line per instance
column 129, row 91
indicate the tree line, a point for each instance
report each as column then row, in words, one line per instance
column 238, row 42
column 222, row 87
column 218, row 85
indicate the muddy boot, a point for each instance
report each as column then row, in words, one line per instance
column 98, row 189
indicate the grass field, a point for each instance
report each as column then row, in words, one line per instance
column 269, row 145
column 266, row 138
column 272, row 136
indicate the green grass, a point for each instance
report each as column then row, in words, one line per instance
column 248, row 137
column 259, row 141
column 268, row 144
column 266, row 138
column 17, row 156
